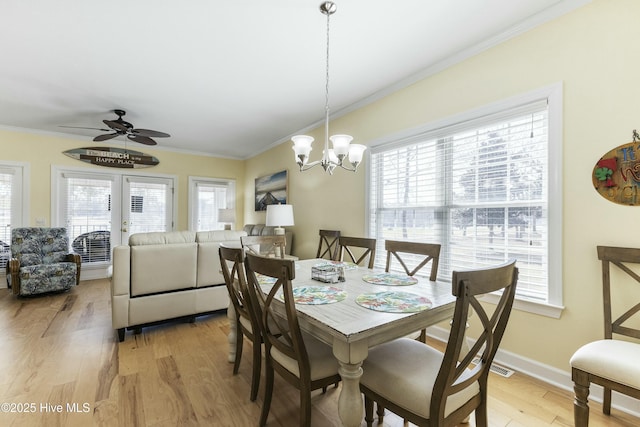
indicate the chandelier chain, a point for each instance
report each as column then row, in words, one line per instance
column 326, row 99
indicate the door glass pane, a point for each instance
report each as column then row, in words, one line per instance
column 6, row 196
column 148, row 207
column 88, row 217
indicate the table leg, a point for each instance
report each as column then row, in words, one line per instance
column 231, row 338
column 350, row 405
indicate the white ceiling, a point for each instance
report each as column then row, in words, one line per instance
column 230, row 78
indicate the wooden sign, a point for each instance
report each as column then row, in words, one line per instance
column 113, row 157
column 616, row 176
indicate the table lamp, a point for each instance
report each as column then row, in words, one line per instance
column 279, row 216
column 227, row 216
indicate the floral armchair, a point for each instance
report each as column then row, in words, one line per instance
column 40, row 261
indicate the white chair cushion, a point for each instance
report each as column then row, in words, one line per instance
column 404, row 371
column 612, row 359
column 321, row 359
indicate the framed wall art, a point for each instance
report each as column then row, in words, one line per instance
column 271, row 190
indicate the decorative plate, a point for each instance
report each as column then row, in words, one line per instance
column 390, row 279
column 394, row 302
column 347, row 265
column 314, row 295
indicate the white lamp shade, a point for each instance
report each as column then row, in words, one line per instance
column 279, row 215
column 302, row 145
column 341, row 144
column 356, row 151
column 226, row 215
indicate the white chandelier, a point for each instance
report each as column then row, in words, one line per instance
column 342, row 147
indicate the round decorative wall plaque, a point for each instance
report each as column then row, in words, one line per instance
column 616, row 176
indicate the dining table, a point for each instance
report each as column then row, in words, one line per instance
column 366, row 307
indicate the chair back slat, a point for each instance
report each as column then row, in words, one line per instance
column 232, row 266
column 328, row 246
column 271, row 245
column 366, row 245
column 458, row 371
column 398, row 250
column 621, row 258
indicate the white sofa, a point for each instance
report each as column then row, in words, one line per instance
column 163, row 276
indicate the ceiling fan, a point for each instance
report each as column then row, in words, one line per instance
column 121, row 127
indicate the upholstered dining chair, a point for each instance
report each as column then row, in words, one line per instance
column 430, row 388
column 300, row 359
column 247, row 323
column 405, row 253
column 366, row 246
column 328, row 245
column 611, row 363
column 271, row 245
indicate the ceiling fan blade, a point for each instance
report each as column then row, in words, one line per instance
column 116, row 125
column 105, row 137
column 142, row 139
column 148, row 132
column 82, row 127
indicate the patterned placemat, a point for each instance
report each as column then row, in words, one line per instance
column 394, row 302
column 390, row 279
column 347, row 265
column 265, row 280
column 313, row 295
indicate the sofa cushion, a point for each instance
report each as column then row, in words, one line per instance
column 158, row 238
column 209, row 271
column 163, row 267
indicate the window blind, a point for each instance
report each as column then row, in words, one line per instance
column 479, row 188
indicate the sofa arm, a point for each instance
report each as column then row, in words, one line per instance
column 121, row 271
column 120, row 289
column 75, row 258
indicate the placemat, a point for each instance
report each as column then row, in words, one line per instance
column 265, row 280
column 390, row 279
column 394, row 302
column 314, row 295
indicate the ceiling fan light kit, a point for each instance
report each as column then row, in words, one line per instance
column 342, row 147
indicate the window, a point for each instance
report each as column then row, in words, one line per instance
column 12, row 208
column 206, row 197
column 481, row 187
column 87, row 214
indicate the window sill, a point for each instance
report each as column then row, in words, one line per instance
column 543, row 309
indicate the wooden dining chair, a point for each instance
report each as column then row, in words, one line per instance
column 303, row 361
column 611, row 363
column 366, row 248
column 247, row 322
column 405, row 253
column 328, row 246
column 430, row 388
column 271, row 245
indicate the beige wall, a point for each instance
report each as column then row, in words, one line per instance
column 593, row 52
column 42, row 152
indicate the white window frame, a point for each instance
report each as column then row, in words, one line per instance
column 20, row 196
column 194, row 181
column 553, row 95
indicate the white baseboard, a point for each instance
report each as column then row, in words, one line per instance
column 553, row 376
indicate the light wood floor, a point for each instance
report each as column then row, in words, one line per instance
column 61, row 365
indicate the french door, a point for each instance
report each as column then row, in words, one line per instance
column 101, row 210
